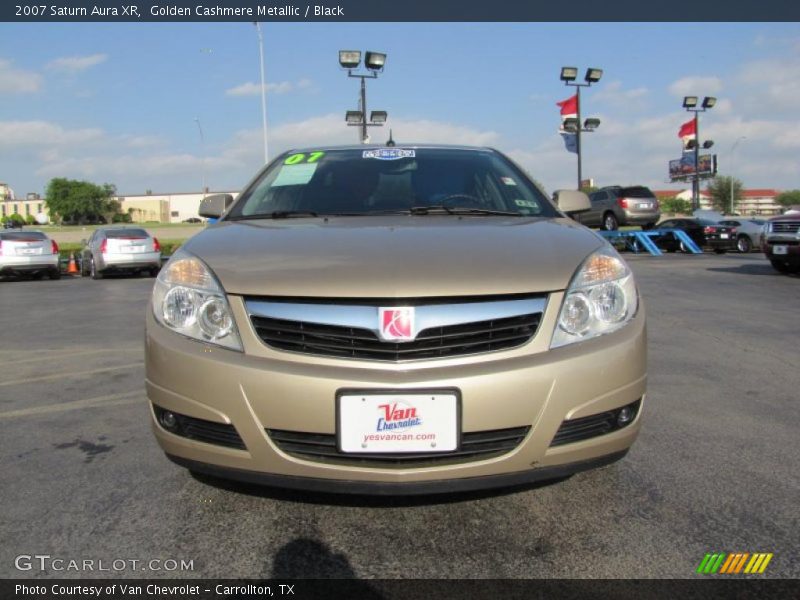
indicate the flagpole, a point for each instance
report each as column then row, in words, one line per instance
column 570, row 124
column 696, row 187
column 578, row 138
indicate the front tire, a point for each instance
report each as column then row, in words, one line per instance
column 648, row 226
column 743, row 244
column 610, row 222
column 54, row 274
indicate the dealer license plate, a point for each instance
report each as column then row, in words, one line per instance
column 414, row 422
column 644, row 205
column 131, row 249
column 780, row 249
column 27, row 251
column 723, row 236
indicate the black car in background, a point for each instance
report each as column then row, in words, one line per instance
column 703, row 232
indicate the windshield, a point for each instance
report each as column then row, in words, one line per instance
column 636, row 192
column 22, row 236
column 390, row 180
column 125, row 234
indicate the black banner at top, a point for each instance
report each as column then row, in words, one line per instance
column 399, row 10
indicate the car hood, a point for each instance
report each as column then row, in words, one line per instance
column 394, row 256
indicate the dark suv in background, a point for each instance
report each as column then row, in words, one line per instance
column 615, row 205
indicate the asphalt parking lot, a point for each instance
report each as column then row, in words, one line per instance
column 715, row 467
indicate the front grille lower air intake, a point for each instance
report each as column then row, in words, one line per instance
column 352, row 331
column 321, row 447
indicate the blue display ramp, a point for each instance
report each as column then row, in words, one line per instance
column 635, row 240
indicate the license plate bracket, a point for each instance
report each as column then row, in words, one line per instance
column 370, row 421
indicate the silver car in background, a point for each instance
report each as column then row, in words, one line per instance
column 615, row 206
column 748, row 232
column 120, row 250
column 28, row 253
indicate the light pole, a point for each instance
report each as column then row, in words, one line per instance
column 263, row 90
column 573, row 124
column 374, row 62
column 733, row 148
column 203, row 153
column 690, row 104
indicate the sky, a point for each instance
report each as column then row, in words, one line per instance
column 121, row 103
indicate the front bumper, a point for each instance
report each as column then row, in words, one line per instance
column 264, row 389
column 792, row 256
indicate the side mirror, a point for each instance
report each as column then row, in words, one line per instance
column 572, row 201
column 215, row 205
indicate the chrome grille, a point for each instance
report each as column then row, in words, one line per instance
column 351, row 331
column 321, row 447
column 438, row 342
column 784, row 226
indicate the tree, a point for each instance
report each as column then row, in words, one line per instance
column 73, row 200
column 788, row 198
column 720, row 191
column 675, row 205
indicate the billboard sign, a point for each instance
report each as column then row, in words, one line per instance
column 683, row 168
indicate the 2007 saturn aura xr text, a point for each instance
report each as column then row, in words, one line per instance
column 395, row 320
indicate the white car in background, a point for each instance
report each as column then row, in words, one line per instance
column 28, row 253
column 120, row 250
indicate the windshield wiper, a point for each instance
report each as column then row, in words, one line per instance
column 459, row 210
column 278, row 214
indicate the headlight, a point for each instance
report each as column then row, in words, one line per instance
column 601, row 298
column 189, row 300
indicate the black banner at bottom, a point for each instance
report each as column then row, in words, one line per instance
column 383, row 589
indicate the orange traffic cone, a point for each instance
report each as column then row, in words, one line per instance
column 72, row 268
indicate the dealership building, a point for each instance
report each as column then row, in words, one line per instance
column 175, row 207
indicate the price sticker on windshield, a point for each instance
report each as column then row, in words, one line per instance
column 389, row 154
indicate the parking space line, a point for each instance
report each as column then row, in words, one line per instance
column 47, row 355
column 98, row 401
column 72, row 374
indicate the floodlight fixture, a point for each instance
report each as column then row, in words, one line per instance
column 350, row 59
column 378, row 117
column 591, row 123
column 707, row 144
column 689, row 101
column 569, row 73
column 593, row 75
column 709, row 102
column 354, row 117
column 571, row 124
column 375, row 61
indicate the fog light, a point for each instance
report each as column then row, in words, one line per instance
column 624, row 417
column 168, row 420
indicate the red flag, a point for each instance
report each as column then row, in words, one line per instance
column 569, row 106
column 687, row 129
